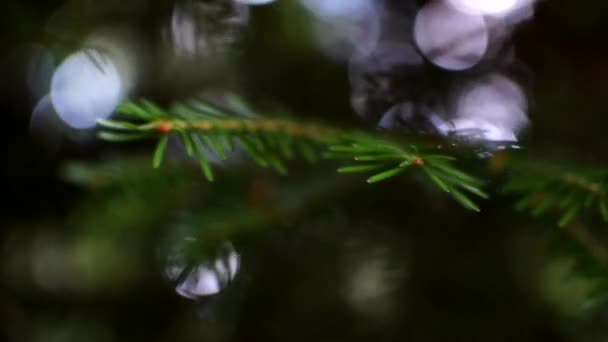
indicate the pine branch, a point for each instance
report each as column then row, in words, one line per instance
column 590, row 257
column 595, row 248
column 542, row 187
column 202, row 128
column 567, row 191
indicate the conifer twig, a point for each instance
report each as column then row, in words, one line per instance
column 204, row 128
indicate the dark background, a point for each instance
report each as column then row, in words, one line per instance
column 460, row 276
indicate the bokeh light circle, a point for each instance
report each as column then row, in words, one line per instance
column 449, row 38
column 86, row 87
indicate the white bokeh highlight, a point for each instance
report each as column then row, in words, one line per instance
column 344, row 28
column 336, row 8
column 449, row 38
column 489, row 7
column 203, row 29
column 207, row 278
column 493, row 109
column 86, row 87
column 255, row 2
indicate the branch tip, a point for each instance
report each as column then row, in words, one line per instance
column 163, row 127
column 418, row 161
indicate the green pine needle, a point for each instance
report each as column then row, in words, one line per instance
column 569, row 215
column 378, row 157
column 130, row 108
column 360, row 168
column 544, row 205
column 307, row 151
column 463, row 199
column 187, row 142
column 121, row 137
column 204, row 163
column 473, row 189
column 218, row 146
column 385, row 175
column 119, row 125
column 277, row 164
column 152, row 108
column 159, row 152
column 285, row 147
column 603, row 209
column 253, row 153
column 440, row 183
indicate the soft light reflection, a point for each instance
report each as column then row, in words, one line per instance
column 50, row 264
column 372, row 77
column 372, row 285
column 83, row 264
column 125, row 51
column 68, row 327
column 345, row 27
column 492, row 7
column 449, row 38
column 45, row 125
column 206, row 278
column 40, row 71
column 337, row 8
column 491, row 110
column 256, row 2
column 203, row 28
column 86, row 87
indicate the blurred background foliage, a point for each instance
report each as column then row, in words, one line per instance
column 99, row 246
